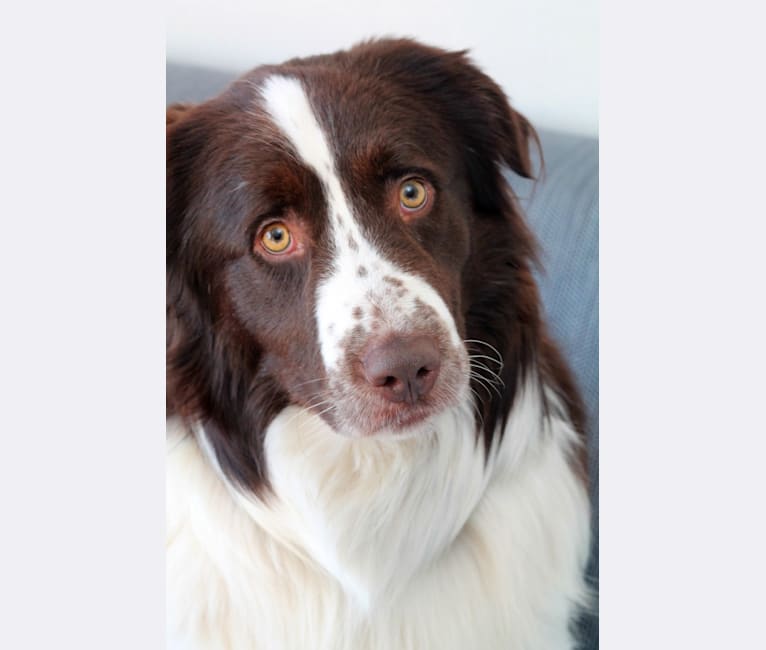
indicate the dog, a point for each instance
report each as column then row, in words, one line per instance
column 373, row 443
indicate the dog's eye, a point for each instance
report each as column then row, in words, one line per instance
column 413, row 194
column 276, row 238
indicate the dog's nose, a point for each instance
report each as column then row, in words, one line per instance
column 403, row 369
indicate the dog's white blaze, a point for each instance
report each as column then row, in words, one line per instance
column 344, row 289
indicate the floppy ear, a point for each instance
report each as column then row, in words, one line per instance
column 210, row 372
column 185, row 326
column 493, row 132
column 516, row 133
column 183, row 143
column 490, row 131
column 175, row 112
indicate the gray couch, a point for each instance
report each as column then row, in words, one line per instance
column 562, row 209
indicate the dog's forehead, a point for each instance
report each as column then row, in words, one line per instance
column 348, row 286
column 287, row 104
column 365, row 118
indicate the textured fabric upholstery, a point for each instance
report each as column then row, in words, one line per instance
column 188, row 83
column 562, row 209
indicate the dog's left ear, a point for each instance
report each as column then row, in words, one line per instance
column 492, row 132
column 495, row 130
column 489, row 131
column 514, row 132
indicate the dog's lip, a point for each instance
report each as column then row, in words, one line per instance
column 368, row 415
column 401, row 420
column 395, row 420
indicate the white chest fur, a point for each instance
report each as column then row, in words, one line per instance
column 381, row 545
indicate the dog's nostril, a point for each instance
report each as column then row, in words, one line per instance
column 403, row 369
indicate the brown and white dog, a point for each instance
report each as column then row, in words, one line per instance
column 372, row 444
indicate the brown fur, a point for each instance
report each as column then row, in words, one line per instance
column 241, row 332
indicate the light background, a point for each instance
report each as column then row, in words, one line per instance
column 544, row 53
column 682, row 322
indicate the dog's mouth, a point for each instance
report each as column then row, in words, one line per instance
column 394, row 385
column 399, row 420
column 356, row 411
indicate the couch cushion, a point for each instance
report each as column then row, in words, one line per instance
column 562, row 209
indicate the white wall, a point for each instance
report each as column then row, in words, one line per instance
column 543, row 52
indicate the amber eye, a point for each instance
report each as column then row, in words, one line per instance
column 413, row 194
column 276, row 238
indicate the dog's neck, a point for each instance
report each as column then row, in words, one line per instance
column 373, row 511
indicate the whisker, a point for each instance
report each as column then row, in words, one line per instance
column 329, row 408
column 493, row 378
column 491, row 347
column 494, row 382
column 308, row 381
column 476, row 406
column 486, row 380
column 471, row 407
column 311, row 406
column 484, row 356
column 482, row 384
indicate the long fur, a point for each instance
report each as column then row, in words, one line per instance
column 288, row 525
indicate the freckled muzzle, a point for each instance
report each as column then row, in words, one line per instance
column 393, row 381
column 397, row 361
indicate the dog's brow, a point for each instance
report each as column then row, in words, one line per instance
column 285, row 100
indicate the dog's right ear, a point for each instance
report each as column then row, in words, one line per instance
column 182, row 146
column 209, row 376
column 186, row 329
column 175, row 112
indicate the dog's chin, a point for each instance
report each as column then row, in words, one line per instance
column 390, row 421
column 403, row 426
column 398, row 425
column 356, row 414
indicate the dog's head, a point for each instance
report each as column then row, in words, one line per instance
column 340, row 238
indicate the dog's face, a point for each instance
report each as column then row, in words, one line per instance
column 340, row 238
